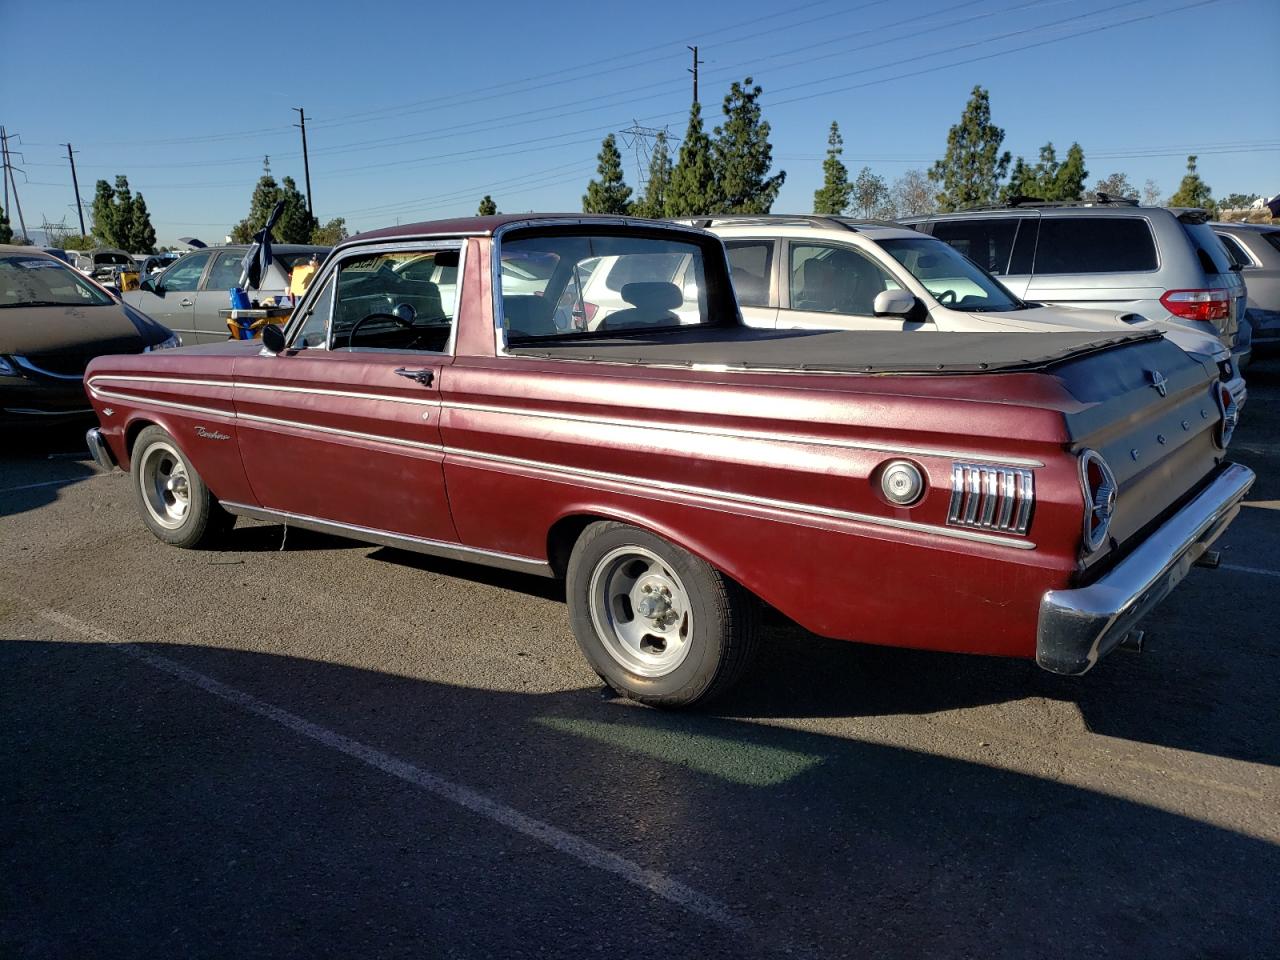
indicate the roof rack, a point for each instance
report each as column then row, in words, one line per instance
column 776, row 220
column 1018, row 201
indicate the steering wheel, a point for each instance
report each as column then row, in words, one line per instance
column 402, row 316
column 942, row 298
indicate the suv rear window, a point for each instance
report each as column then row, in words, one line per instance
column 987, row 242
column 1095, row 245
column 1212, row 254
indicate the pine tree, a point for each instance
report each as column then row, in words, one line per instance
column 742, row 156
column 833, row 196
column 1022, row 183
column 105, row 226
column 141, row 234
column 6, row 231
column 1068, row 182
column 693, row 180
column 973, row 167
column 487, row 207
column 263, row 201
column 1192, row 191
column 296, row 224
column 653, row 203
column 609, row 194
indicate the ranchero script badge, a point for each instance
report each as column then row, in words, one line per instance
column 211, row 434
column 1159, row 382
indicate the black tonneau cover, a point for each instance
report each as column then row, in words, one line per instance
column 841, row 351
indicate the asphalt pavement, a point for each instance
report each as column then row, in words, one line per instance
column 305, row 747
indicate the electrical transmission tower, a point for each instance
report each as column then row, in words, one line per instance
column 639, row 140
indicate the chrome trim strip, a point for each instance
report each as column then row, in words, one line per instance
column 241, row 385
column 604, row 421
column 744, row 434
column 167, row 404
column 385, row 538
column 28, row 365
column 631, row 484
column 338, row 432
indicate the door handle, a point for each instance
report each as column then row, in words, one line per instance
column 186, row 302
column 424, row 377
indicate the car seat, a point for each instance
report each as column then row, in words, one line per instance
column 652, row 305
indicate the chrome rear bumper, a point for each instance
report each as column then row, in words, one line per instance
column 1079, row 627
column 98, row 448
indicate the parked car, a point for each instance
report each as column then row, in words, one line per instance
column 841, row 273
column 53, row 321
column 1255, row 248
column 189, row 294
column 1162, row 264
column 103, row 265
column 149, row 263
column 1027, row 496
column 59, row 253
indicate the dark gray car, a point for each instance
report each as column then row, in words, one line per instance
column 1255, row 247
column 1161, row 263
column 188, row 296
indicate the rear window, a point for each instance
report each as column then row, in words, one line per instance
column 987, row 242
column 1212, row 254
column 1096, row 245
column 1235, row 250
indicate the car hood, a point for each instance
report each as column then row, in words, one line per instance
column 1082, row 318
column 110, row 328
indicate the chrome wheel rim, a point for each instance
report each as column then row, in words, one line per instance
column 166, row 485
column 641, row 611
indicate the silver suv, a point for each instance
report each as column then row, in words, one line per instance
column 1164, row 264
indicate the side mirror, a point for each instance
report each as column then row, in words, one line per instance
column 151, row 284
column 273, row 338
column 893, row 303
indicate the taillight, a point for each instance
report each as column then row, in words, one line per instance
column 1230, row 416
column 1100, row 490
column 583, row 316
column 1198, row 304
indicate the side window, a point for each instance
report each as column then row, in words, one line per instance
column 831, row 279
column 395, row 300
column 1095, row 245
column 185, row 274
column 988, row 242
column 226, row 272
column 1235, row 250
column 751, row 262
column 316, row 322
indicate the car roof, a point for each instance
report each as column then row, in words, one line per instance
column 1066, row 208
column 1229, row 225
column 487, row 226
column 24, row 248
column 805, row 226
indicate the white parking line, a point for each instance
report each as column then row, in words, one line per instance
column 471, row 800
column 51, row 483
column 1258, row 570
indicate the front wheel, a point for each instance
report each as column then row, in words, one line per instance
column 172, row 497
column 658, row 624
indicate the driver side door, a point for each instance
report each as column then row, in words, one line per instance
column 343, row 425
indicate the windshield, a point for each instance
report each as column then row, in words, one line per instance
column 951, row 278
column 27, row 281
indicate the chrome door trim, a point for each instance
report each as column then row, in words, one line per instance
column 338, row 432
column 750, row 435
column 240, row 385
column 385, row 538
column 632, row 484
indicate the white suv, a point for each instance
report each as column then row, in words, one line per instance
column 840, row 273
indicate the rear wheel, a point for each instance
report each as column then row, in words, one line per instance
column 172, row 497
column 658, row 624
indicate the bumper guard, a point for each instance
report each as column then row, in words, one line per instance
column 102, row 454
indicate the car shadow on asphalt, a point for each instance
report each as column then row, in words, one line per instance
column 37, row 463
column 151, row 818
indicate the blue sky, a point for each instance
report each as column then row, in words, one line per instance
column 419, row 109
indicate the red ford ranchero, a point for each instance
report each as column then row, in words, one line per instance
column 577, row 397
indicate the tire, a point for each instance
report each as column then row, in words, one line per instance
column 657, row 624
column 172, row 497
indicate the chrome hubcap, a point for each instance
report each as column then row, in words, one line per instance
column 166, row 487
column 641, row 611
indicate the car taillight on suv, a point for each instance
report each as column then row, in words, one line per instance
column 1207, row 305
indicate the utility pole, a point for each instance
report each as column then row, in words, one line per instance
column 694, row 71
column 306, row 165
column 8, row 167
column 75, row 183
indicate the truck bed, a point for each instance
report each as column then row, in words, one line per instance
column 840, row 351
